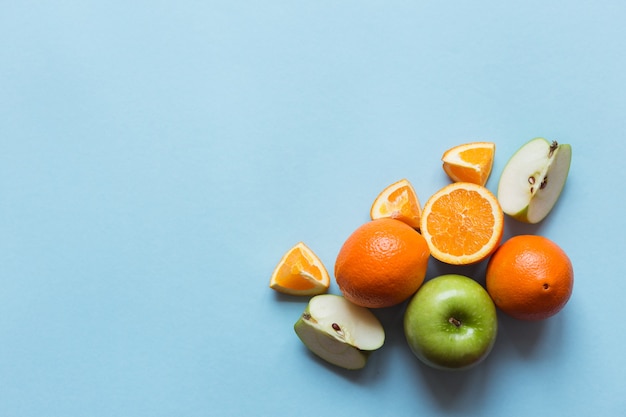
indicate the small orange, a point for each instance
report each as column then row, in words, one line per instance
column 382, row 263
column 470, row 162
column 530, row 277
column 300, row 272
column 398, row 201
column 462, row 223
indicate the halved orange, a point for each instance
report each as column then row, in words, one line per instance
column 462, row 223
column 470, row 162
column 300, row 272
column 398, row 201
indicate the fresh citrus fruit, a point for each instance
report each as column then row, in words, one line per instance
column 470, row 162
column 530, row 277
column 398, row 201
column 462, row 223
column 382, row 263
column 300, row 272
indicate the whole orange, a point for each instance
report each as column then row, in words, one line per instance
column 530, row 277
column 382, row 263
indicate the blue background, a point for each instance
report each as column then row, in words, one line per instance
column 157, row 158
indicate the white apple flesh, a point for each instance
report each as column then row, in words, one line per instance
column 532, row 180
column 339, row 332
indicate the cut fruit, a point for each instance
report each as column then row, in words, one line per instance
column 339, row 332
column 462, row 223
column 532, row 180
column 300, row 272
column 470, row 162
column 398, row 201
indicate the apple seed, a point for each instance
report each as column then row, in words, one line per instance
column 336, row 328
column 531, row 181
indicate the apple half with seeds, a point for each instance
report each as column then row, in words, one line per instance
column 532, row 180
column 339, row 332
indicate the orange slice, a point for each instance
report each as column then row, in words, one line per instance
column 300, row 272
column 462, row 223
column 398, row 201
column 471, row 162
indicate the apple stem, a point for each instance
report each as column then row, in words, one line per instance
column 553, row 146
column 307, row 316
column 455, row 321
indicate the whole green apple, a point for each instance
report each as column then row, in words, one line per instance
column 451, row 323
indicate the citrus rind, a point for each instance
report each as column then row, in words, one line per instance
column 300, row 272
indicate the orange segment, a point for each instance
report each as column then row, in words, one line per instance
column 470, row 162
column 398, row 201
column 462, row 223
column 300, row 272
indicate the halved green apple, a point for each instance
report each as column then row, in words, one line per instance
column 533, row 179
column 339, row 332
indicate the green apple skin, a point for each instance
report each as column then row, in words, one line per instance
column 451, row 323
column 531, row 203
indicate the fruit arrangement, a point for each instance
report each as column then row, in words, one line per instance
column 450, row 321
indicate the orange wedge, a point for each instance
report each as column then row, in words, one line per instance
column 462, row 223
column 471, row 162
column 398, row 201
column 300, row 272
